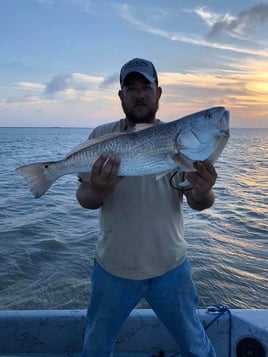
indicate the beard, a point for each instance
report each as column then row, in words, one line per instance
column 136, row 117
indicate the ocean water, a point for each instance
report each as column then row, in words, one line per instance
column 47, row 245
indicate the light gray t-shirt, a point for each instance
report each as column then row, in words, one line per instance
column 141, row 224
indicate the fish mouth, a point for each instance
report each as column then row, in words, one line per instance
column 223, row 124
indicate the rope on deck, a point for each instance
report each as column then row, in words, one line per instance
column 219, row 310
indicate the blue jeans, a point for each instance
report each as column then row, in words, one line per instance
column 172, row 296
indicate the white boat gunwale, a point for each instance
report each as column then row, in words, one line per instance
column 62, row 331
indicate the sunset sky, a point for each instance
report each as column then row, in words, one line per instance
column 60, row 59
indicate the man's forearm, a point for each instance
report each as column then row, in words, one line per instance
column 87, row 198
column 200, row 201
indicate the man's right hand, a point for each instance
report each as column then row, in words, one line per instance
column 104, row 178
column 103, row 181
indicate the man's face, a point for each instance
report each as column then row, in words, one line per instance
column 139, row 99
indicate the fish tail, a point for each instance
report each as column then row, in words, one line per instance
column 39, row 176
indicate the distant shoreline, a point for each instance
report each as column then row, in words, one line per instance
column 44, row 127
column 91, row 128
column 83, row 127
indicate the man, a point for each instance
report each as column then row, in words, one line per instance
column 141, row 252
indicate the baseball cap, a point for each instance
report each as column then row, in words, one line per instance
column 139, row 65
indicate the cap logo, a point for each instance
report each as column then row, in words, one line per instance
column 136, row 63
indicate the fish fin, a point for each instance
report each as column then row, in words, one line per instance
column 142, row 126
column 91, row 142
column 105, row 137
column 158, row 177
column 38, row 176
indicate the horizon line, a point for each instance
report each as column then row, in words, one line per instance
column 88, row 127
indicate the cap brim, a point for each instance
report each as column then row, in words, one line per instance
column 146, row 75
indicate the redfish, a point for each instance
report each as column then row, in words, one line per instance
column 154, row 150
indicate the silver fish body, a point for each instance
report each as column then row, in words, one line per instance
column 156, row 150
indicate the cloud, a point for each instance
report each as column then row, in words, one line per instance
column 58, row 83
column 26, row 99
column 61, row 88
column 31, row 85
column 78, row 87
column 87, row 78
column 125, row 13
column 110, row 80
column 241, row 26
column 241, row 87
column 211, row 19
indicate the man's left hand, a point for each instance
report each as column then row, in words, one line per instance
column 204, row 178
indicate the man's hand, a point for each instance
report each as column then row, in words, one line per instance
column 102, row 183
column 104, row 177
column 202, row 180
